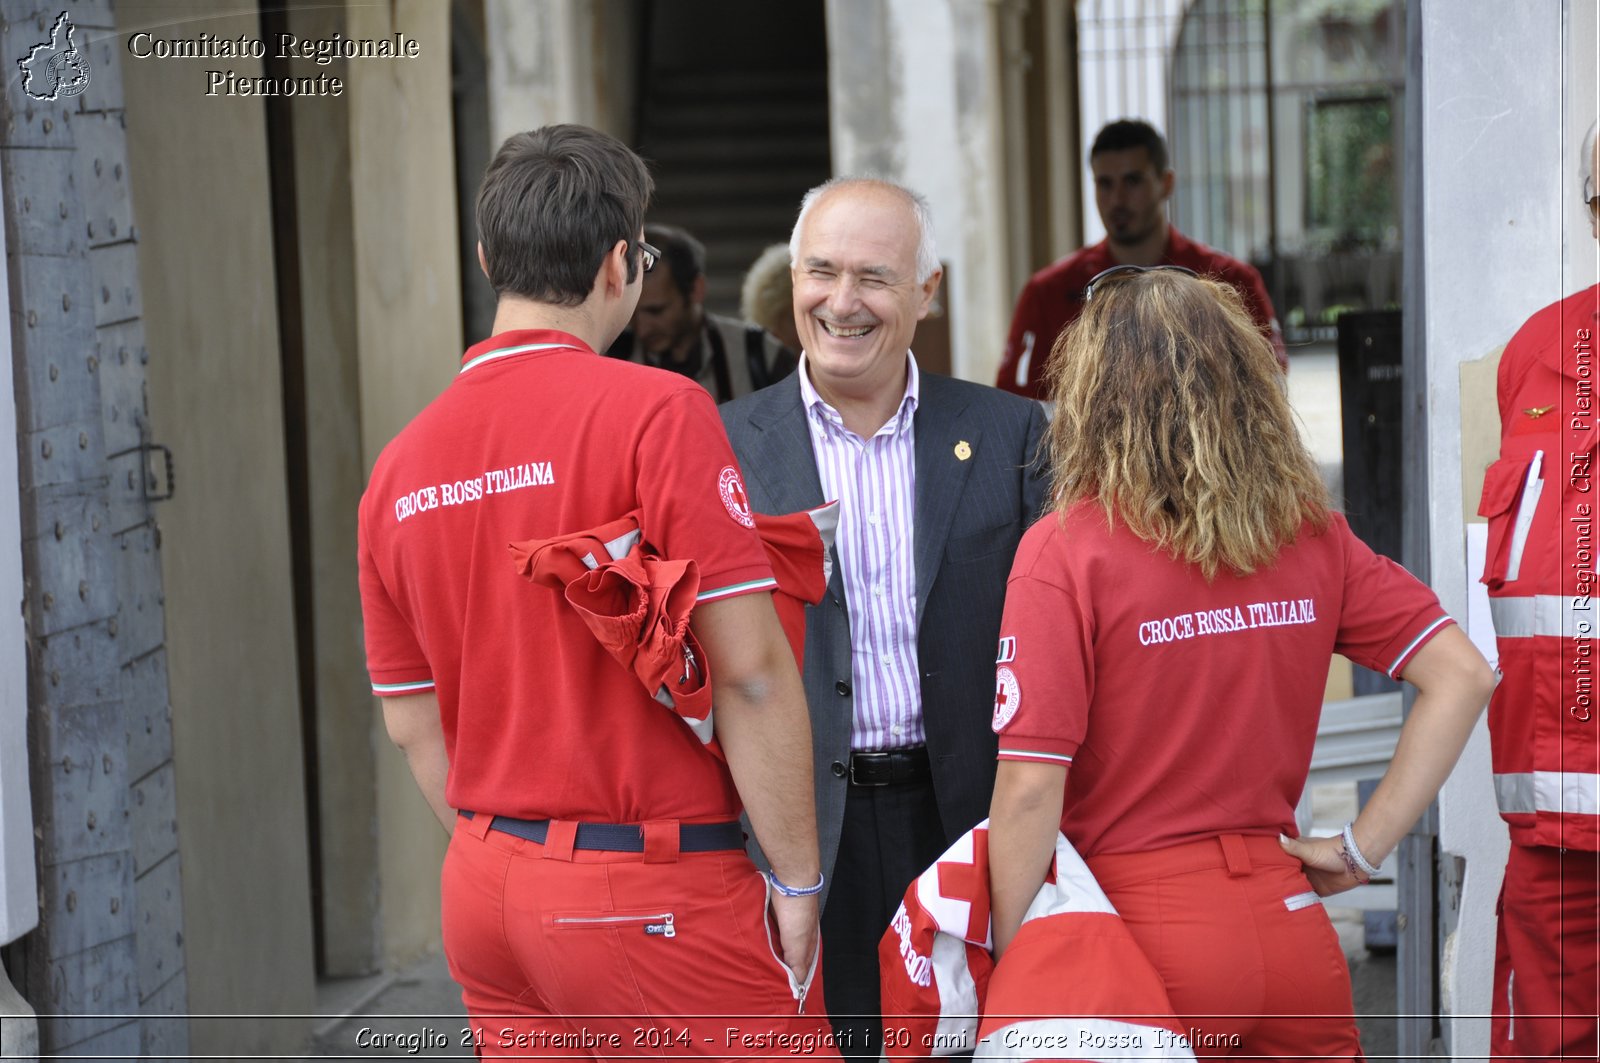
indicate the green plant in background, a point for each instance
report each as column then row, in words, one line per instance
column 1350, row 172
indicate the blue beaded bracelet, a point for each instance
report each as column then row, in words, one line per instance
column 790, row 891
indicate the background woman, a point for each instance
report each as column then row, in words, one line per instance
column 1163, row 657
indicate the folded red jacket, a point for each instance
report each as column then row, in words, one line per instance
column 798, row 549
column 638, row 604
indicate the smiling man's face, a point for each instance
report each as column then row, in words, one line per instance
column 857, row 299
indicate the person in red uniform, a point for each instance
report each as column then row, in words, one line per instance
column 1166, row 638
column 596, row 892
column 1132, row 182
column 1544, row 739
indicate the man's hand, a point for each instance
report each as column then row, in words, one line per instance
column 765, row 730
column 797, row 919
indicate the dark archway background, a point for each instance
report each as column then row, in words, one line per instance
column 732, row 114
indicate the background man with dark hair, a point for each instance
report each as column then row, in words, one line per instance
column 596, row 882
column 1132, row 182
column 672, row 329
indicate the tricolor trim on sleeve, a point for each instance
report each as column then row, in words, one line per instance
column 1416, row 644
column 735, row 589
column 416, row 686
column 1034, row 755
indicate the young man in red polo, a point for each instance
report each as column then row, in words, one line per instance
column 596, row 892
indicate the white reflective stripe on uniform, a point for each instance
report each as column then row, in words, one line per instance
column 1548, row 615
column 1301, row 900
column 1027, row 357
column 616, row 549
column 704, row 729
column 1549, row 791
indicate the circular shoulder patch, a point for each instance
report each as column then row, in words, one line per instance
column 1007, row 697
column 734, row 498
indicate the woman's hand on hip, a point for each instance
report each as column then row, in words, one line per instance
column 1324, row 865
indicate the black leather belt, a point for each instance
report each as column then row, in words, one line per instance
column 887, row 767
column 625, row 837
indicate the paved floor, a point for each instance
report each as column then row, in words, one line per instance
column 417, row 1013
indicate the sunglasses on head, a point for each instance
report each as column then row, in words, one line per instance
column 1123, row 271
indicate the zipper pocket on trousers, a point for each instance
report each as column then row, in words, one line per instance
column 660, row 925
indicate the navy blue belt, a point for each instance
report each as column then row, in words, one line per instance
column 625, row 837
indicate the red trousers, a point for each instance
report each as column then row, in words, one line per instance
column 563, row 952
column 1547, row 955
column 1250, row 961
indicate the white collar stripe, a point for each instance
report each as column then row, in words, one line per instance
column 506, row 352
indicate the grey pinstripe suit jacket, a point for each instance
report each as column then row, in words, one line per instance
column 968, row 517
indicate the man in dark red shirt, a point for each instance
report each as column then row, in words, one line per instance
column 1132, row 182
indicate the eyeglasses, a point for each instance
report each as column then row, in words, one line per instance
column 648, row 256
column 1119, row 271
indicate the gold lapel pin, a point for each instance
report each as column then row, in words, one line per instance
column 1538, row 411
column 963, row 450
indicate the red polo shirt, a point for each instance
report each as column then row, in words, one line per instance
column 1186, row 709
column 1053, row 299
column 536, row 437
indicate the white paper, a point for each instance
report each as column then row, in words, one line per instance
column 1532, row 486
column 1480, row 625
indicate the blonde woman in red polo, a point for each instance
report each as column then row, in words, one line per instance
column 1165, row 644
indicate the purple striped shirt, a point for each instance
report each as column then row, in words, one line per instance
column 873, row 480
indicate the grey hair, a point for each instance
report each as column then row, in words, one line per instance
column 1586, row 164
column 927, row 251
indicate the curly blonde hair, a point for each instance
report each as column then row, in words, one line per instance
column 1171, row 414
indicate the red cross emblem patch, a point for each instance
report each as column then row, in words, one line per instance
column 734, row 498
column 1007, row 697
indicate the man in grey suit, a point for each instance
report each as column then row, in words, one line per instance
column 936, row 480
